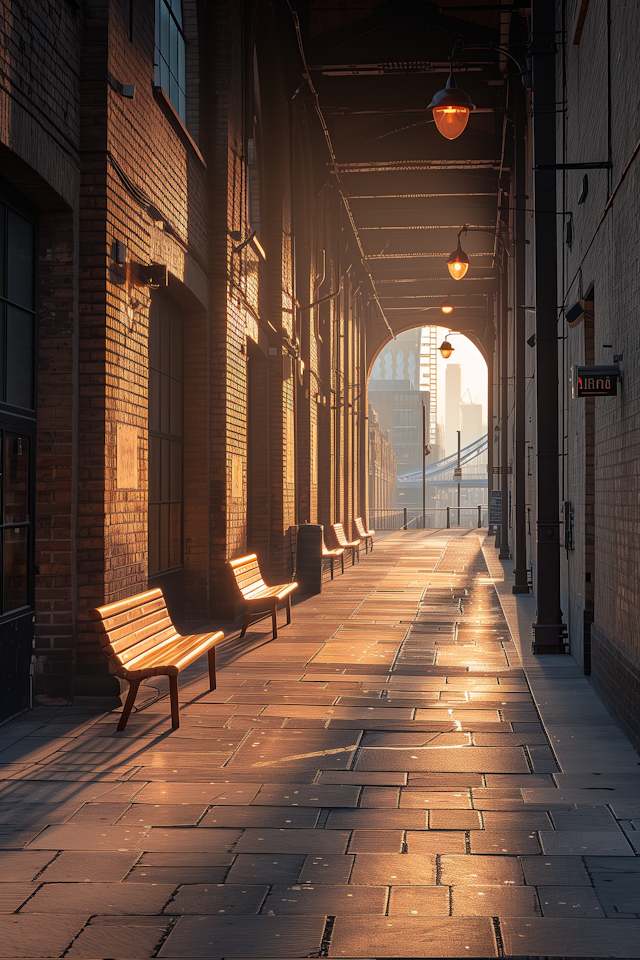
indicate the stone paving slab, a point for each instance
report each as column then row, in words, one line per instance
column 412, row 937
column 29, row 936
column 127, row 938
column 100, row 898
column 575, row 937
column 244, row 937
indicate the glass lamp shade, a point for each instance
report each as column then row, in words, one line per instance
column 458, row 263
column 446, row 307
column 446, row 349
column 451, row 121
column 451, row 108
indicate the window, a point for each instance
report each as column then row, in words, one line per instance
column 17, row 307
column 165, row 439
column 170, row 54
column 411, row 417
column 253, row 188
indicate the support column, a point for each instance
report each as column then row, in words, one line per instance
column 505, row 553
column 548, row 629
column 519, row 248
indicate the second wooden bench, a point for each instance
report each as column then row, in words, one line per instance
column 258, row 596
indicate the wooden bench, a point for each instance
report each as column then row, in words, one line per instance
column 363, row 534
column 341, row 540
column 332, row 555
column 257, row 595
column 140, row 640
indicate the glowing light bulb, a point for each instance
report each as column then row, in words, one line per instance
column 458, row 263
column 451, row 121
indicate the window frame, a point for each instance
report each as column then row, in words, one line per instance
column 12, row 200
column 164, row 78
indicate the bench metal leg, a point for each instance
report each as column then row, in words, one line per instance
column 289, row 608
column 128, row 705
column 211, row 657
column 274, row 620
column 173, row 696
column 342, row 559
column 246, row 622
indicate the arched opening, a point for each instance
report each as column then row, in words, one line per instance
column 428, row 435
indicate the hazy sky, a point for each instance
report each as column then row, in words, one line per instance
column 474, row 371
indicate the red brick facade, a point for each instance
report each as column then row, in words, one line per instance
column 274, row 417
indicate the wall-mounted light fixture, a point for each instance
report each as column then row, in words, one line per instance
column 446, row 349
column 451, row 106
column 251, row 239
column 458, row 262
column 447, row 306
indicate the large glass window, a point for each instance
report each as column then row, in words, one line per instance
column 15, row 522
column 170, row 53
column 165, row 439
column 17, row 307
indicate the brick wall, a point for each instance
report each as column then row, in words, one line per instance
column 602, row 569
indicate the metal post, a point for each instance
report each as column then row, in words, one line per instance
column 404, row 526
column 448, row 518
column 479, row 515
column 505, row 553
column 548, row 629
column 424, row 465
column 491, row 371
column 519, row 467
column 458, row 432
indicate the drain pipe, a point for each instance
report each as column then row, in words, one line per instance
column 548, row 628
column 519, row 468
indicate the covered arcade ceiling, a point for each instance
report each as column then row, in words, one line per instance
column 375, row 66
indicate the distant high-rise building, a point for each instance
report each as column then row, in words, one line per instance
column 452, row 407
column 470, row 422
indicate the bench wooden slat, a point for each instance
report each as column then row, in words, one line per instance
column 246, row 583
column 336, row 554
column 130, row 603
column 256, row 593
column 155, row 640
column 183, row 651
column 142, row 627
column 138, row 636
column 127, row 617
column 340, row 537
column 363, row 534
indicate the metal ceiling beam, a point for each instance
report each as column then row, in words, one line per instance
column 425, row 226
column 402, row 166
column 416, row 196
column 393, row 111
column 398, row 67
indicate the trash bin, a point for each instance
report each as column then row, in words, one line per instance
column 309, row 558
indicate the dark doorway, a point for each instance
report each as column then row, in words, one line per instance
column 17, row 442
column 166, row 453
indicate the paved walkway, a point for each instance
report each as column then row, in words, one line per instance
column 383, row 780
